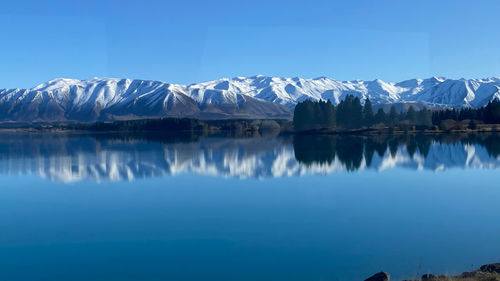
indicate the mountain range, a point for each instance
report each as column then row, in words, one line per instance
column 240, row 97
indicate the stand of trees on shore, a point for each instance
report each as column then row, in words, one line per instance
column 183, row 126
column 351, row 114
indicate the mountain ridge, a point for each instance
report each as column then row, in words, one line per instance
column 258, row 96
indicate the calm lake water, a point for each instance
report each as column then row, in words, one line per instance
column 111, row 207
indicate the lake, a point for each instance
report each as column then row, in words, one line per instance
column 152, row 207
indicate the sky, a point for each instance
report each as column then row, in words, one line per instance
column 192, row 41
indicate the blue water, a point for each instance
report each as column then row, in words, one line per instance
column 247, row 224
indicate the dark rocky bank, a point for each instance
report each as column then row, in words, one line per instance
column 488, row 272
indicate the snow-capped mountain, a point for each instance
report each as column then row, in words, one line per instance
column 240, row 97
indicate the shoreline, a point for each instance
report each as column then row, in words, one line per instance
column 487, row 272
column 236, row 126
column 483, row 128
column 357, row 132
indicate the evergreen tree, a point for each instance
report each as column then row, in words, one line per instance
column 298, row 117
column 357, row 113
column 393, row 116
column 424, row 118
column 492, row 112
column 327, row 114
column 472, row 124
column 368, row 115
column 330, row 115
column 303, row 117
column 309, row 115
column 411, row 115
column 350, row 113
column 380, row 117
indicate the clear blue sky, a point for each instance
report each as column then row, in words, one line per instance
column 192, row 41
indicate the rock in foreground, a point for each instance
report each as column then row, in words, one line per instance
column 381, row 276
column 488, row 272
column 493, row 267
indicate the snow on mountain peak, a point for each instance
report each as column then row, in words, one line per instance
column 55, row 84
column 440, row 79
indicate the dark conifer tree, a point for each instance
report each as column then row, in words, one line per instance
column 303, row 116
column 381, row 117
column 309, row 115
column 492, row 112
column 342, row 113
column 331, row 120
column 472, row 124
column 368, row 116
column 350, row 113
column 357, row 113
column 411, row 115
column 393, row 116
column 424, row 118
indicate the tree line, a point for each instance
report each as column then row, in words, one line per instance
column 351, row 114
column 179, row 126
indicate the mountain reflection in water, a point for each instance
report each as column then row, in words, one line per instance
column 75, row 157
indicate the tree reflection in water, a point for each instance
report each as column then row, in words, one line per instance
column 350, row 150
column 100, row 157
